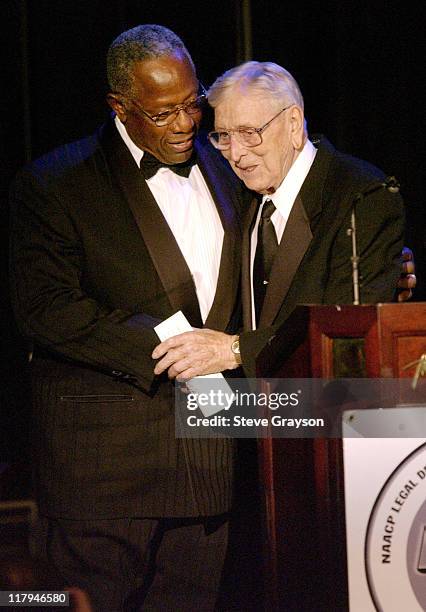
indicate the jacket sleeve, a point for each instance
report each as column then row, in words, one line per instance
column 50, row 305
column 251, row 344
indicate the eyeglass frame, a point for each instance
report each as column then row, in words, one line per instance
column 176, row 110
column 241, row 129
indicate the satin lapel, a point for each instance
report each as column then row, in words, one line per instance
column 302, row 222
column 160, row 242
column 313, row 191
column 245, row 279
column 293, row 246
column 226, row 202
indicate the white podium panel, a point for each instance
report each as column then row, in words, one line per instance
column 385, row 505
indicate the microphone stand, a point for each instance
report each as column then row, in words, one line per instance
column 354, row 258
column 392, row 185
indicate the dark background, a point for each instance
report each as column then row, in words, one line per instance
column 360, row 66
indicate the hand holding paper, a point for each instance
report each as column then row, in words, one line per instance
column 194, row 356
column 193, row 353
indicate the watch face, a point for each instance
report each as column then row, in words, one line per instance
column 235, row 347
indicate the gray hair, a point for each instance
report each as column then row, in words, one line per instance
column 135, row 45
column 260, row 77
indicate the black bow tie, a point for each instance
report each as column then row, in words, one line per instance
column 150, row 166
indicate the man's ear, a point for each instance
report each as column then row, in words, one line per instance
column 117, row 104
column 297, row 127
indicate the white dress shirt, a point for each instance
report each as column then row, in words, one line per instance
column 189, row 209
column 283, row 199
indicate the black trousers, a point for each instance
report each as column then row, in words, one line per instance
column 128, row 565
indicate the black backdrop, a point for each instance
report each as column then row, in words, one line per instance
column 360, row 66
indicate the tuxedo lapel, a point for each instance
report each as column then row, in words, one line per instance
column 313, row 191
column 301, row 225
column 224, row 197
column 245, row 274
column 293, row 246
column 159, row 240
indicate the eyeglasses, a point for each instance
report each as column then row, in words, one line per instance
column 247, row 136
column 192, row 107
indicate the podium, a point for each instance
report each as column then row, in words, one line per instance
column 302, row 483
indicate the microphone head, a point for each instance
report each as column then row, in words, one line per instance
column 391, row 184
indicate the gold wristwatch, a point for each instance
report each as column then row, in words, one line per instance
column 235, row 348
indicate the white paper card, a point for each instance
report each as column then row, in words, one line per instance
column 178, row 324
column 174, row 325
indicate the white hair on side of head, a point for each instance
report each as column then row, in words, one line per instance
column 258, row 77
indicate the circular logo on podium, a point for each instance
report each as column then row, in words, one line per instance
column 395, row 545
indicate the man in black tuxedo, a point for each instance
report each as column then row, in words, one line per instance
column 307, row 191
column 261, row 130
column 105, row 245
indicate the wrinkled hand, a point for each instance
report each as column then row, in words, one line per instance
column 407, row 281
column 195, row 353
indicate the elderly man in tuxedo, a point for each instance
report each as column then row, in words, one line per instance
column 296, row 247
column 111, row 235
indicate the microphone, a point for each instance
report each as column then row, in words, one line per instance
column 391, row 184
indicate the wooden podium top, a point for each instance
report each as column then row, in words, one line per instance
column 322, row 342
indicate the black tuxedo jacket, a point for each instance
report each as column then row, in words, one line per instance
column 313, row 261
column 94, row 267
